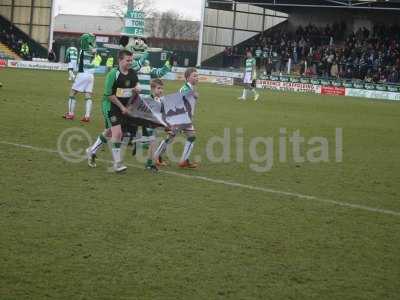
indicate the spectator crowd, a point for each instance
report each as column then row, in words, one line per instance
column 372, row 56
column 10, row 38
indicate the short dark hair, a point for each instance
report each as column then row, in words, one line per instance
column 124, row 40
column 156, row 82
column 190, row 71
column 123, row 53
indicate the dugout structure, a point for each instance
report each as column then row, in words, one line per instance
column 228, row 23
column 33, row 17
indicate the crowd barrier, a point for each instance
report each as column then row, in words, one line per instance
column 356, row 89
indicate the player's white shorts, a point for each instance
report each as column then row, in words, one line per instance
column 248, row 78
column 84, row 83
column 72, row 65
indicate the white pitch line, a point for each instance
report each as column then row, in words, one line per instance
column 238, row 185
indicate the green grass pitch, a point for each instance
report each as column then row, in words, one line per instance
column 307, row 230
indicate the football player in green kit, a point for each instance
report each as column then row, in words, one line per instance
column 120, row 86
column 145, row 74
column 250, row 76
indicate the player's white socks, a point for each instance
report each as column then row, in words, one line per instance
column 116, row 153
column 71, row 105
column 256, row 95
column 101, row 139
column 89, row 104
column 187, row 150
column 244, row 95
column 162, row 148
column 71, row 75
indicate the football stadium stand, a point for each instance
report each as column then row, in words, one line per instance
column 338, row 39
column 26, row 27
column 7, row 53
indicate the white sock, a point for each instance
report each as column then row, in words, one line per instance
column 97, row 145
column 161, row 149
column 89, row 104
column 187, row 150
column 71, row 75
column 244, row 93
column 116, row 153
column 71, row 105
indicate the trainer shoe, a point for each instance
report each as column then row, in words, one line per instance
column 188, row 165
column 119, row 167
column 151, row 167
column 241, row 98
column 256, row 96
column 91, row 158
column 85, row 120
column 69, row 116
column 161, row 163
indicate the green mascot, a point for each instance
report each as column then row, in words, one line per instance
column 84, row 81
column 136, row 44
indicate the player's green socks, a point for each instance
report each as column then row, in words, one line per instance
column 103, row 138
column 149, row 163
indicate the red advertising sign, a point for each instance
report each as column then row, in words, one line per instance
column 3, row 63
column 333, row 90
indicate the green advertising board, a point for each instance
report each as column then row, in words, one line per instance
column 134, row 22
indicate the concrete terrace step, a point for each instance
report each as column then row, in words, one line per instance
column 7, row 51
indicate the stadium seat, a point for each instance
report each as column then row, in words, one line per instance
column 7, row 52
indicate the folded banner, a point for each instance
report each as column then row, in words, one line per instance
column 178, row 109
column 146, row 112
column 174, row 111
